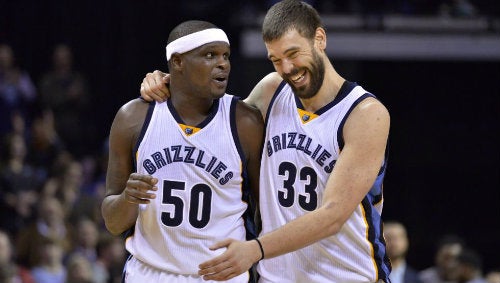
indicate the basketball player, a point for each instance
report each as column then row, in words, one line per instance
column 181, row 173
column 323, row 164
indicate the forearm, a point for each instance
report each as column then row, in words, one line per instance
column 301, row 232
column 119, row 215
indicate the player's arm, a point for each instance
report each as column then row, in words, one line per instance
column 365, row 135
column 125, row 190
column 154, row 86
column 263, row 92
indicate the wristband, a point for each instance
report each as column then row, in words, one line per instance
column 261, row 249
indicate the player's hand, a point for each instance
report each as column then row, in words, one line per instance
column 139, row 188
column 238, row 258
column 154, row 86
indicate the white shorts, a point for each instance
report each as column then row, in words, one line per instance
column 137, row 271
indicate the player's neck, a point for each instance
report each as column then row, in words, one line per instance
column 328, row 91
column 191, row 110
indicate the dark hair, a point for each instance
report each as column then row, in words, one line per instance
column 290, row 14
column 188, row 27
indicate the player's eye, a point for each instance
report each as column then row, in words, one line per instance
column 276, row 61
column 294, row 55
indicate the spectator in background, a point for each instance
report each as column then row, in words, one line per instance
column 17, row 91
column 50, row 268
column 19, row 185
column 85, row 240
column 44, row 145
column 111, row 256
column 470, row 267
column 94, row 189
column 65, row 91
column 66, row 185
column 79, row 270
column 49, row 225
column 445, row 269
column 10, row 271
column 397, row 242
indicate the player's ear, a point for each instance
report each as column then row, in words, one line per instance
column 320, row 38
column 176, row 61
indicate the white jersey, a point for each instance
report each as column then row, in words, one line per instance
column 300, row 152
column 201, row 197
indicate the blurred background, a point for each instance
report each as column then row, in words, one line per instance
column 67, row 66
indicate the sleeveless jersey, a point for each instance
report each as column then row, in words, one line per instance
column 299, row 154
column 201, row 197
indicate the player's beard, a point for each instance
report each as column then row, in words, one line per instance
column 316, row 76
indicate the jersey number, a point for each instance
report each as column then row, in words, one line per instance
column 286, row 197
column 199, row 207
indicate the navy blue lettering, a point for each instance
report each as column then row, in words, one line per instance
column 302, row 137
column 322, row 157
column 167, row 155
column 189, row 151
column 199, row 159
column 283, row 140
column 276, row 143
column 149, row 166
column 269, row 148
column 329, row 168
column 158, row 159
column 291, row 142
column 308, row 144
column 226, row 178
column 218, row 169
column 316, row 151
column 211, row 164
column 177, row 153
column 215, row 168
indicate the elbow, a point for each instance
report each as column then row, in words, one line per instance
column 113, row 226
column 113, row 229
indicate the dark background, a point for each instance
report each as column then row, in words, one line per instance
column 443, row 175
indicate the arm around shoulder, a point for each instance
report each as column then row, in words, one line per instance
column 263, row 92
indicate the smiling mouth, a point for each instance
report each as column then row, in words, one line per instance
column 298, row 78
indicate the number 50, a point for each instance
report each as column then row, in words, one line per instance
column 199, row 191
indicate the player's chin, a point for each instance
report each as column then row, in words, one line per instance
column 218, row 93
column 219, row 86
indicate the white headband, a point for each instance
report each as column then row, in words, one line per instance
column 195, row 40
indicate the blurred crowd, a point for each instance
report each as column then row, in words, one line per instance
column 51, row 182
column 454, row 261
